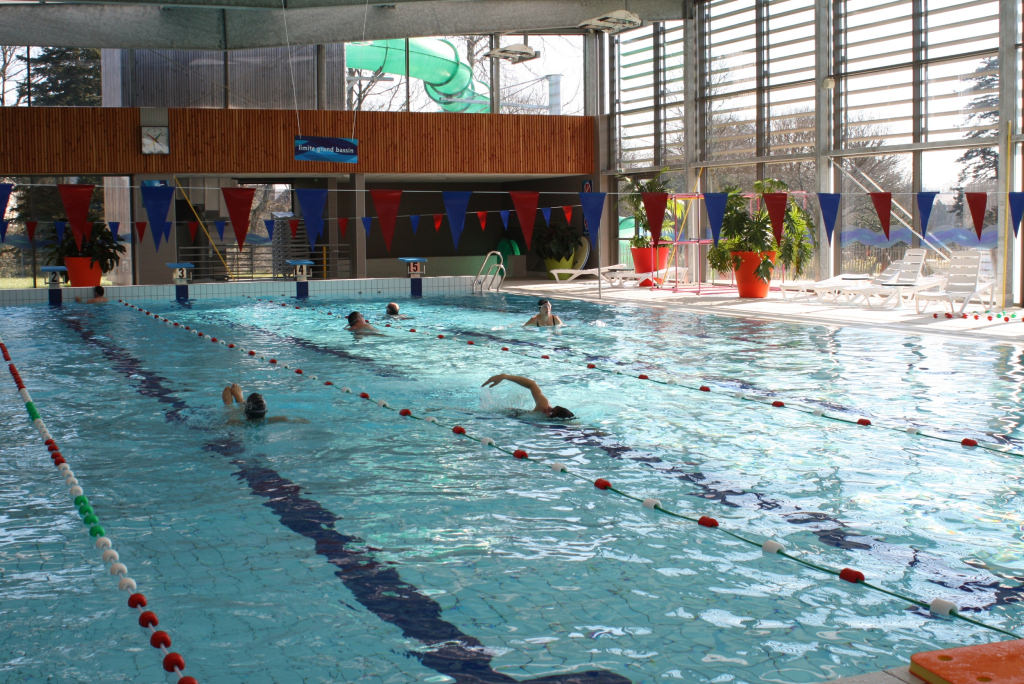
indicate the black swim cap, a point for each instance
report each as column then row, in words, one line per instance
column 561, row 412
column 255, row 406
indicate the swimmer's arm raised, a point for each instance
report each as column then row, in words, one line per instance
column 538, row 396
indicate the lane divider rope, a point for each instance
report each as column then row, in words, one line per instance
column 937, row 606
column 742, row 396
column 172, row 661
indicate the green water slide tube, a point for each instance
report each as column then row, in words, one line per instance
column 446, row 78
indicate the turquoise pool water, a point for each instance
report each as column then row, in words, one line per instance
column 368, row 546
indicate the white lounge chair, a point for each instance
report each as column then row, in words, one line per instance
column 901, row 280
column 963, row 284
column 581, row 255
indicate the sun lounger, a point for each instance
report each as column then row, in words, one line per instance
column 963, row 284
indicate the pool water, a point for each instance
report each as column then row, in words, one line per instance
column 367, row 546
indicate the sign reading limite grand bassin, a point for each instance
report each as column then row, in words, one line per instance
column 312, row 148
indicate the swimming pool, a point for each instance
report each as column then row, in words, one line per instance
column 370, row 546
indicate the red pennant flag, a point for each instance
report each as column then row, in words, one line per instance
column 193, row 228
column 567, row 210
column 294, row 225
column 977, row 201
column 526, row 209
column 883, row 207
column 140, row 228
column 775, row 202
column 239, row 201
column 76, row 200
column 386, row 202
column 437, row 221
column 482, row 216
column 343, row 227
column 654, row 206
column 30, row 228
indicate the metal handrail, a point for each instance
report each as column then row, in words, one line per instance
column 495, row 273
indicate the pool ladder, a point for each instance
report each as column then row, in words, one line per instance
column 491, row 274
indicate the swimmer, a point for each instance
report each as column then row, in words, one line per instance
column 254, row 407
column 98, row 296
column 544, row 316
column 358, row 324
column 392, row 310
column 541, row 403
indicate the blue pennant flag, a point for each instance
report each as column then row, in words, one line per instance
column 3, row 230
column 269, row 223
column 593, row 207
column 59, row 226
column 157, row 201
column 114, row 226
column 312, row 202
column 924, row 207
column 220, row 228
column 367, row 223
column 505, row 213
column 1016, row 209
column 714, row 202
column 546, row 213
column 455, row 203
column 158, row 234
column 828, row 202
column 5, row 194
column 415, row 221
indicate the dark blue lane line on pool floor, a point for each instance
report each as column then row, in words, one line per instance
column 376, row 586
column 829, row 529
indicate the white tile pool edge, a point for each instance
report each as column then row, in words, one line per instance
column 362, row 287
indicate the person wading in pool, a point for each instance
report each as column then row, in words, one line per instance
column 98, row 296
column 544, row 316
column 392, row 311
column 541, row 403
column 253, row 406
column 358, row 324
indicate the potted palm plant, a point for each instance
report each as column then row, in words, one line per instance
column 98, row 254
column 747, row 246
column 556, row 244
column 646, row 257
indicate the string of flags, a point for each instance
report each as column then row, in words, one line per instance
column 157, row 199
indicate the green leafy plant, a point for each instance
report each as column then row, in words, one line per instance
column 744, row 230
column 100, row 247
column 557, row 241
column 636, row 187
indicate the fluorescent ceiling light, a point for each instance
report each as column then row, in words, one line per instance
column 619, row 20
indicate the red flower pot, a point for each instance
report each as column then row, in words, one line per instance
column 747, row 282
column 648, row 260
column 82, row 272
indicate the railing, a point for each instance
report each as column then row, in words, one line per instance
column 491, row 274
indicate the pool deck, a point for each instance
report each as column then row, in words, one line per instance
column 724, row 301
column 800, row 309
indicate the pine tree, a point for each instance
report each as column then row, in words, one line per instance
column 63, row 77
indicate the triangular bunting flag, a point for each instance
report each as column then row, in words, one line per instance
column 525, row 202
column 546, row 213
column 1016, row 210
column 386, row 202
column 883, row 207
column 775, row 203
column 30, row 228
column 438, row 218
column 158, row 234
column 343, row 226
column 76, row 200
column 714, row 203
column 654, row 207
column 593, row 207
column 193, row 229
column 828, row 202
column 269, row 224
column 504, row 213
column 5, row 194
column 239, row 201
column 925, row 200
column 312, row 202
column 293, row 225
column 220, row 226
column 58, row 227
column 156, row 199
column 140, row 229
column 415, row 221
column 455, row 204
column 567, row 212
column 977, row 201
column 114, row 227
column 367, row 224
column 481, row 216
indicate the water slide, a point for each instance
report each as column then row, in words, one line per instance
column 446, row 78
